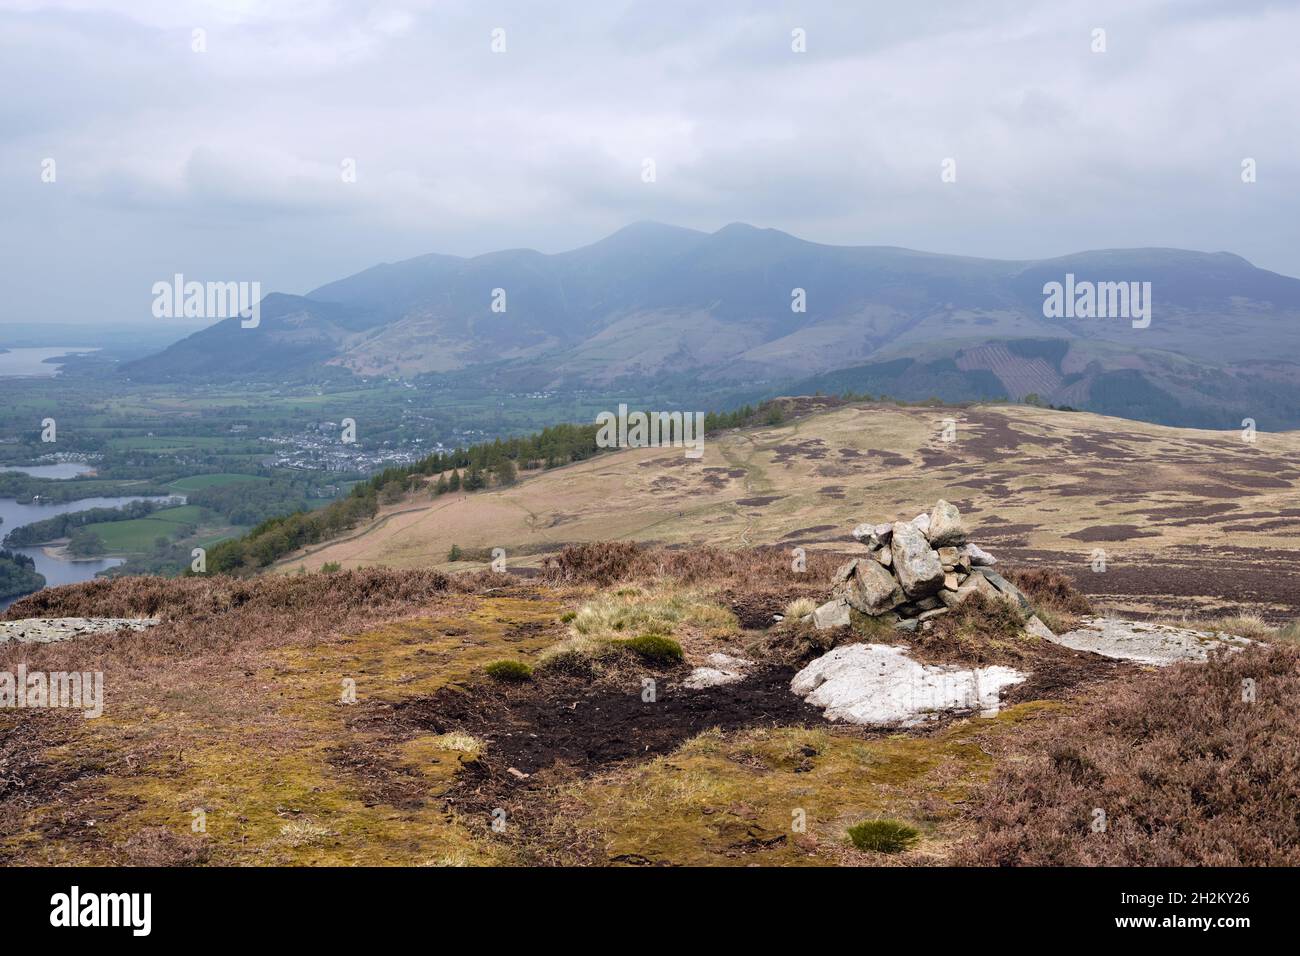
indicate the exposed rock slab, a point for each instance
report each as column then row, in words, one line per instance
column 1147, row 643
column 721, row 669
column 47, row 630
column 879, row 684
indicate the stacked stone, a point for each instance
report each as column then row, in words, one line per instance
column 915, row 570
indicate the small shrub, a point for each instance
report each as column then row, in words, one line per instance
column 509, row 670
column 597, row 562
column 454, row 553
column 654, row 648
column 329, row 567
column 883, row 836
column 1050, row 588
column 568, row 616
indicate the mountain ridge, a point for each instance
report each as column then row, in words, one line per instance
column 653, row 300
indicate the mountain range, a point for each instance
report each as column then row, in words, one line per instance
column 654, row 301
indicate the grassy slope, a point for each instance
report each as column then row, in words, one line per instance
column 1027, row 479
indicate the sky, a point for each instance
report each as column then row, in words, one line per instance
column 227, row 154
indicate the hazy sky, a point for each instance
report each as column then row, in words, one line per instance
column 226, row 164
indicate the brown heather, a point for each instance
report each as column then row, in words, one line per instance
column 606, row 562
column 1052, row 588
column 1188, row 774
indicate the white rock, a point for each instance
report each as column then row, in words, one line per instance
column 1035, row 627
column 47, row 630
column 703, row 677
column 1145, row 643
column 979, row 558
column 831, row 614
column 727, row 662
column 921, row 523
column 879, row 684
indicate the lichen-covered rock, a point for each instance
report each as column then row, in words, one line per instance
column 871, row 589
column 915, row 562
column 1148, row 643
column 1006, row 589
column 872, row 535
column 945, row 526
column 845, row 571
column 978, row 557
column 831, row 614
column 1035, row 627
column 46, row 630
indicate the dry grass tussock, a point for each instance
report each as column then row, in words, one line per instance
column 1186, row 767
column 611, row 617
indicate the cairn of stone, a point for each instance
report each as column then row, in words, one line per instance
column 914, row 571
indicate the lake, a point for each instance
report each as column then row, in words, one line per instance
column 64, row 469
column 32, row 363
column 60, row 570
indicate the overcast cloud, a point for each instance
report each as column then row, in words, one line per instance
column 226, row 164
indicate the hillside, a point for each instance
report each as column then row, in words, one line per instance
column 1186, row 518
column 652, row 302
column 365, row 718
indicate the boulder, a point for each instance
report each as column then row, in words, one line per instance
column 871, row 589
column 845, row 571
column 1035, row 627
column 978, row 557
column 872, row 535
column 945, row 525
column 922, row 524
column 950, row 582
column 831, row 614
column 885, row 555
column 1007, row 590
column 975, row 584
column 881, row 685
column 948, row 557
column 915, row 562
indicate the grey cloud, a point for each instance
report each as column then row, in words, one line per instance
column 228, row 161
